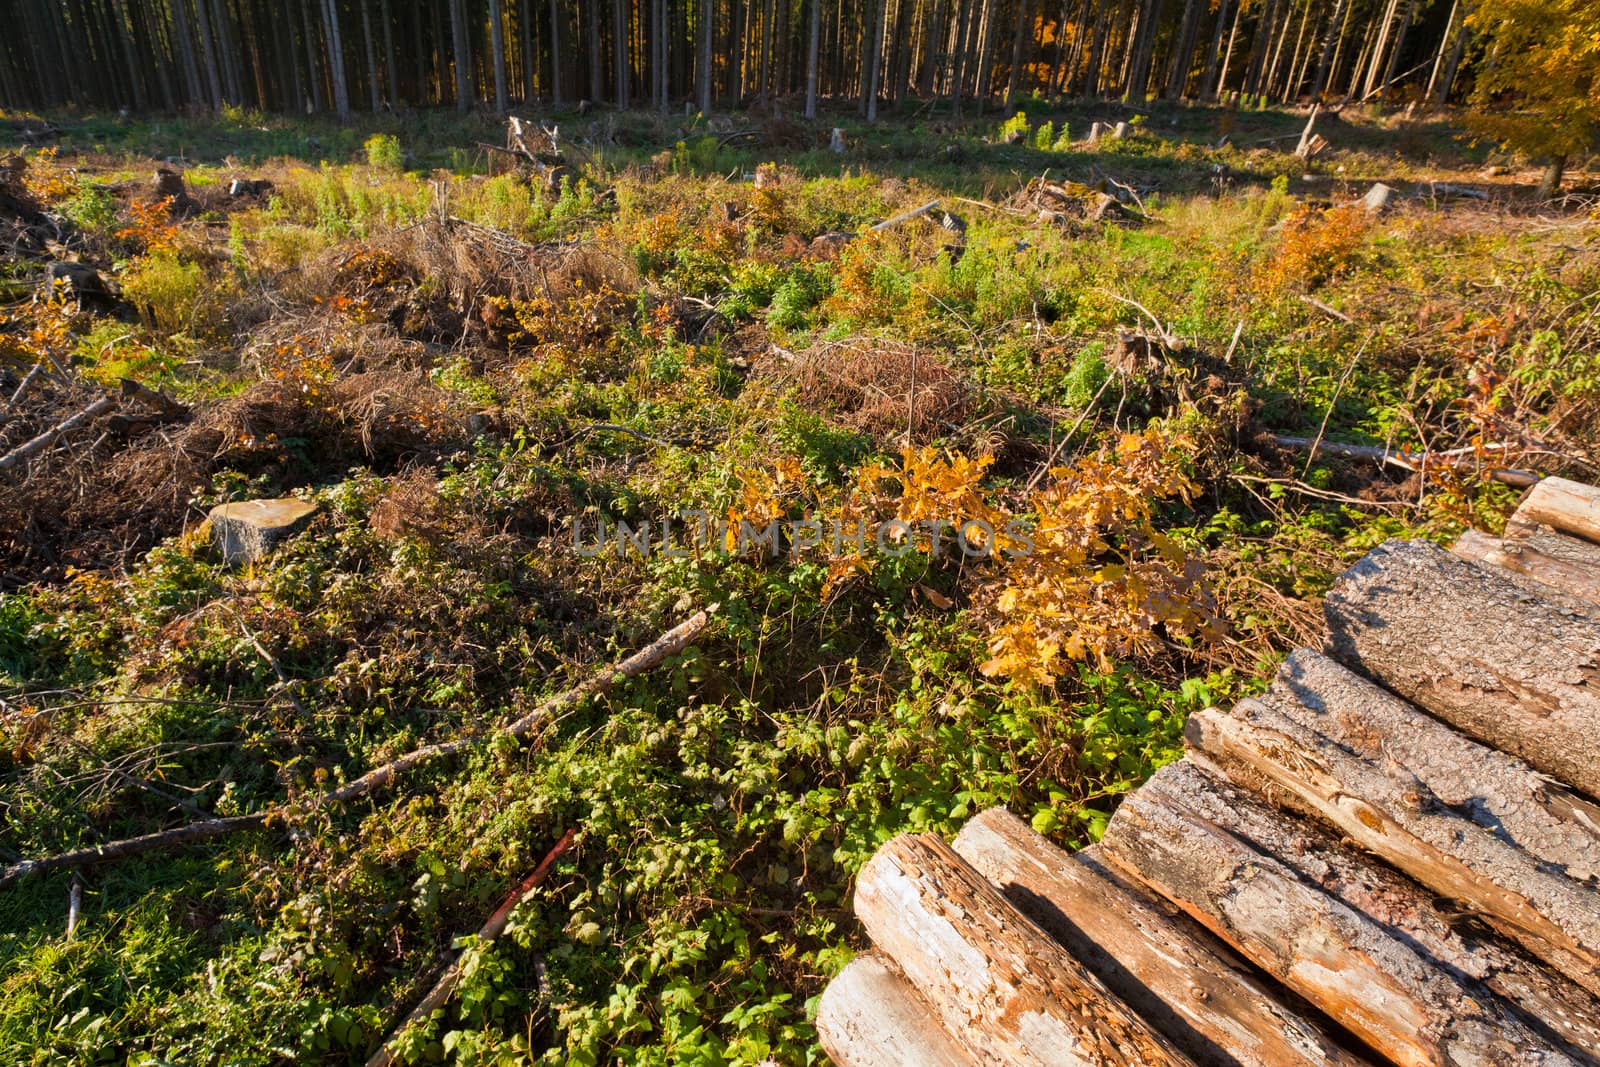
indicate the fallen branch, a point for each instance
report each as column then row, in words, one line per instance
column 27, row 380
column 490, row 930
column 904, row 216
column 1456, row 459
column 66, row 425
column 668, row 644
column 1326, row 309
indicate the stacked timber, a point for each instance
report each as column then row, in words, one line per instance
column 1391, row 855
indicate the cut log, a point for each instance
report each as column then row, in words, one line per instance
column 1570, row 507
column 1477, row 650
column 1540, row 559
column 1384, row 806
column 1566, row 1014
column 999, row 986
column 1404, row 1005
column 870, row 1017
column 1178, row 977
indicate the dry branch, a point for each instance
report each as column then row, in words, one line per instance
column 490, row 930
column 668, row 644
column 904, row 216
column 1410, row 461
column 1476, row 649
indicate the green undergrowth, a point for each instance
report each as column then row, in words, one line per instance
column 659, row 332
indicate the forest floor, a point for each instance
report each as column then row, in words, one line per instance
column 469, row 372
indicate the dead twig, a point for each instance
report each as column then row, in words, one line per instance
column 66, row 425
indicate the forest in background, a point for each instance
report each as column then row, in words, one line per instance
column 339, row 55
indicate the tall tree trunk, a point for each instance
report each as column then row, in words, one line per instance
column 1210, row 82
column 391, row 72
column 980, row 89
column 1143, row 49
column 873, row 58
column 811, row 59
column 619, row 51
column 555, row 53
column 1336, row 28
column 1097, row 50
column 1463, row 35
column 497, row 44
column 1380, row 48
column 341, row 91
column 1014, row 78
column 185, row 44
column 124, row 34
column 461, row 55
column 703, row 65
column 309, row 35
column 370, row 48
column 208, row 50
column 1399, row 47
column 1183, row 57
column 958, row 64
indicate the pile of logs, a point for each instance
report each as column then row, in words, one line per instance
column 1390, row 856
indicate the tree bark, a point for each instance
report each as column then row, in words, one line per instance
column 874, row 59
column 619, row 52
column 1548, row 563
column 208, row 51
column 1014, row 77
column 555, row 53
column 1477, row 651
column 811, row 59
column 370, row 48
column 391, row 72
column 703, row 76
column 461, row 55
column 1336, row 27
column 1567, row 1015
column 1468, row 822
column 1379, row 986
column 497, row 46
column 870, row 1017
column 1178, row 977
column 1000, row 987
column 341, row 90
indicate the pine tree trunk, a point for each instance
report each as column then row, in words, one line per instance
column 341, row 92
column 1209, row 81
column 497, row 45
column 461, row 55
column 811, row 59
column 391, row 72
column 1399, row 47
column 981, row 90
column 1144, row 49
column 958, row 64
column 208, row 50
column 309, row 35
column 1183, row 56
column 1447, row 82
column 1014, row 78
column 370, row 48
column 555, row 53
column 874, row 58
column 1336, row 26
column 619, row 52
